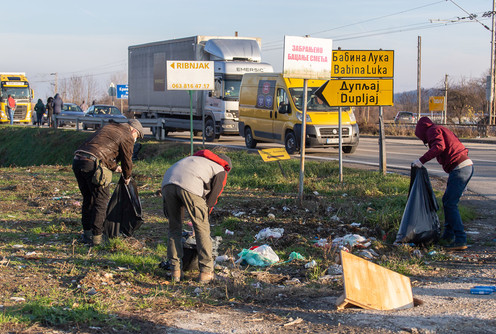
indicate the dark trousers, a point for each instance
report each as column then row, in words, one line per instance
column 95, row 198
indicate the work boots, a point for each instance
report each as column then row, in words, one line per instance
column 206, row 277
column 176, row 275
column 97, row 240
column 87, row 237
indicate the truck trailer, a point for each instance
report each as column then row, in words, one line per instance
column 215, row 112
column 17, row 85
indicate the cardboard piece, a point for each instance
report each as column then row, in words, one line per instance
column 370, row 286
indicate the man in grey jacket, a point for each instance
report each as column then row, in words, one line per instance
column 193, row 183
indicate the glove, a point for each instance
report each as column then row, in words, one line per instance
column 417, row 164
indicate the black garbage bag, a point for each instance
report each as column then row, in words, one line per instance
column 420, row 223
column 123, row 211
column 190, row 254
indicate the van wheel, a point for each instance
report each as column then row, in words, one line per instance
column 349, row 149
column 209, row 130
column 290, row 143
column 249, row 140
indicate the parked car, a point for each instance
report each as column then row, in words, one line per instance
column 405, row 117
column 70, row 109
column 102, row 111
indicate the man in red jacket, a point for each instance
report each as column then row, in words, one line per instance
column 453, row 157
column 194, row 184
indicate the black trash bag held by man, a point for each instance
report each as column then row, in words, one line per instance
column 123, row 211
column 420, row 223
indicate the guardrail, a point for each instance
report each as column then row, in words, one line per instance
column 145, row 122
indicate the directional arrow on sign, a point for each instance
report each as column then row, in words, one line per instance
column 357, row 92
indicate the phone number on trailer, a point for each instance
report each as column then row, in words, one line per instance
column 190, row 86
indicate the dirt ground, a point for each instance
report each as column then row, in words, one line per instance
column 286, row 302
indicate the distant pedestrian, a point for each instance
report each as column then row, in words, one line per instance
column 93, row 103
column 58, row 105
column 83, row 106
column 49, row 108
column 102, row 152
column 193, row 184
column 453, row 156
column 40, row 110
column 11, row 107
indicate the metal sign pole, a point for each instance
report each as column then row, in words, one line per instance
column 340, row 146
column 191, row 118
column 303, row 135
column 382, row 143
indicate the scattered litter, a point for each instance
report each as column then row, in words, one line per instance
column 197, row 291
column 369, row 209
column 482, row 290
column 260, row 256
column 355, row 224
column 227, row 232
column 60, row 197
column 431, row 253
column 310, row 264
column 267, row 232
column 335, row 218
column 295, row 256
column 31, row 255
column 95, row 328
column 322, row 243
column 286, row 209
column 91, row 292
column 17, row 299
column 335, row 269
column 417, row 253
column 352, row 240
column 238, row 213
column 316, row 193
column 292, row 281
column 257, row 285
column 472, row 232
column 271, row 216
column 344, row 195
column 17, row 246
column 222, row 258
column 366, row 254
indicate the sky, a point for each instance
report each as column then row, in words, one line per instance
column 91, row 38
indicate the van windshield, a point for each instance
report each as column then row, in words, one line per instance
column 314, row 103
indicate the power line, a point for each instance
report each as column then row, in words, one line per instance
column 470, row 16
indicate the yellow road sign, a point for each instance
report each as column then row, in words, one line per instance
column 362, row 64
column 274, row 154
column 436, row 103
column 357, row 92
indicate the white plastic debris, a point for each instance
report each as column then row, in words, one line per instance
column 268, row 232
column 17, row 299
column 222, row 258
column 351, row 240
column 227, row 232
column 271, row 216
column 335, row 218
column 322, row 243
column 335, row 269
column 238, row 213
column 310, row 264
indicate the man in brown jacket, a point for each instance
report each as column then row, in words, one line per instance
column 110, row 145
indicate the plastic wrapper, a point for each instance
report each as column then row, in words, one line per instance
column 261, row 256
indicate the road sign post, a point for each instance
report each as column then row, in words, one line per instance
column 190, row 76
column 306, row 58
column 361, row 78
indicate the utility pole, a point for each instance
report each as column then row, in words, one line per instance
column 419, row 94
column 445, row 118
column 56, row 82
column 493, row 59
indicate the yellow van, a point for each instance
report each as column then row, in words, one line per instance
column 270, row 110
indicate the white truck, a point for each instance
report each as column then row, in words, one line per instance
column 214, row 112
